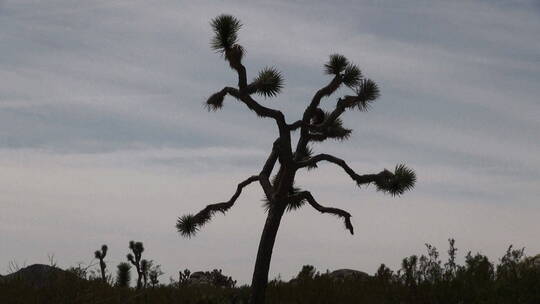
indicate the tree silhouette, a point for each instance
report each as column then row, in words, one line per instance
column 315, row 126
column 100, row 254
column 141, row 265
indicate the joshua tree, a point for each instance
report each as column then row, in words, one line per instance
column 154, row 273
column 141, row 266
column 100, row 254
column 123, row 275
column 316, row 125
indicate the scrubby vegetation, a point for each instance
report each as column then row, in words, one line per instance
column 424, row 278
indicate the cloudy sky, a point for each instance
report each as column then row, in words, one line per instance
column 104, row 139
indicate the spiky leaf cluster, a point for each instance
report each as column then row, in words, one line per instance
column 136, row 247
column 351, row 76
column 215, row 102
column 337, row 131
column 269, row 82
column 396, row 183
column 295, row 204
column 306, row 153
column 292, row 204
column 100, row 254
column 334, row 130
column 367, row 91
column 336, row 64
column 225, row 28
column 187, row 226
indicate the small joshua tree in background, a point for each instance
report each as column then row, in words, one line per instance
column 183, row 277
column 316, row 125
column 141, row 265
column 100, row 254
column 145, row 269
column 154, row 273
column 123, row 275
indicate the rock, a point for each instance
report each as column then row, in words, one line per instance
column 344, row 274
column 534, row 260
column 38, row 275
column 200, row 277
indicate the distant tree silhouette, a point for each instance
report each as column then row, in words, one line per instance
column 100, row 255
column 123, row 275
column 315, row 126
column 141, row 265
column 154, row 273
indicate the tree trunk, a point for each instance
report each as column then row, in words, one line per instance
column 264, row 255
column 139, row 279
column 102, row 266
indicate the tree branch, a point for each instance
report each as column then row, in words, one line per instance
column 359, row 179
column 295, row 125
column 306, row 195
column 188, row 225
column 262, row 111
column 394, row 183
column 309, row 112
column 264, row 176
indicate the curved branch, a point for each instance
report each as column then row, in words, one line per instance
column 264, row 176
column 295, row 125
column 262, row 111
column 394, row 183
column 188, row 225
column 325, row 91
column 255, row 106
column 359, row 179
column 271, row 161
column 306, row 195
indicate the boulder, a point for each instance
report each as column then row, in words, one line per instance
column 345, row 274
column 38, row 275
column 200, row 277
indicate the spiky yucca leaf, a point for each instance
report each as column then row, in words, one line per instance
column 130, row 258
column 215, row 102
column 225, row 28
column 306, row 152
column 137, row 247
column 396, row 183
column 336, row 64
column 367, row 91
column 295, row 204
column 337, row 131
column 97, row 254
column 187, row 226
column 351, row 76
column 269, row 82
column 267, row 204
